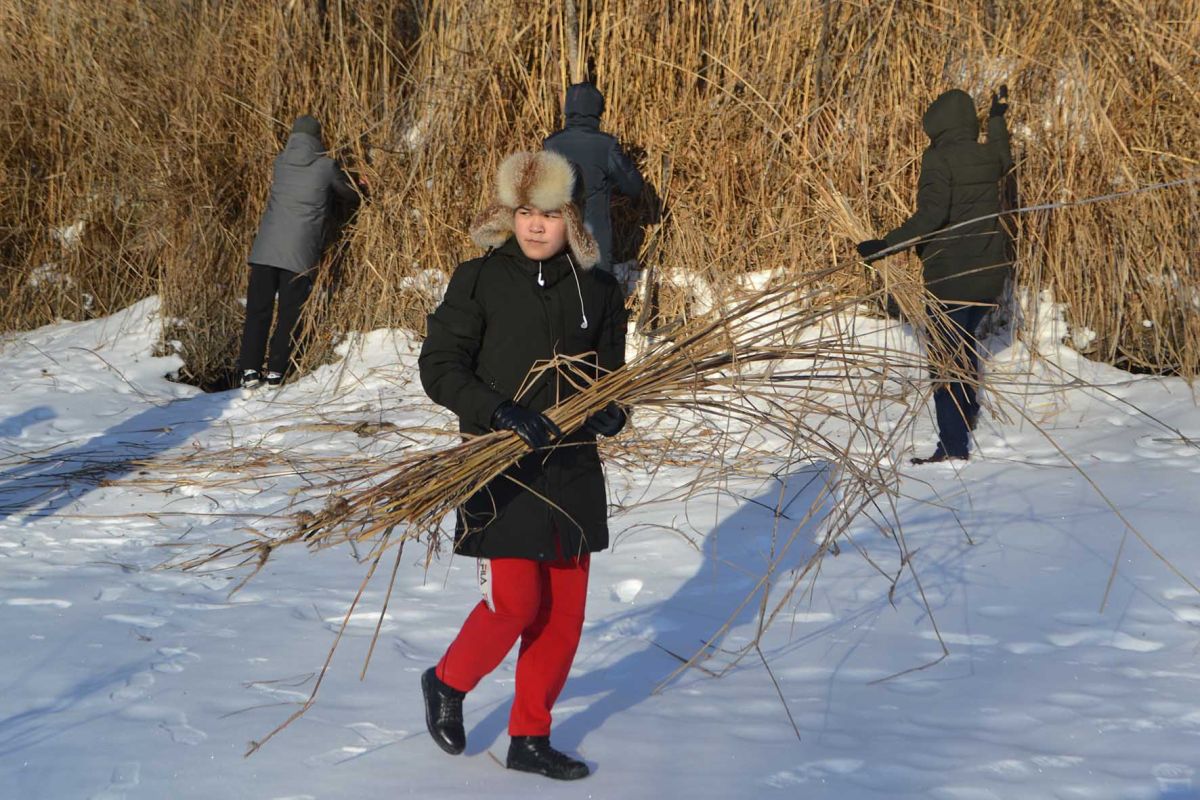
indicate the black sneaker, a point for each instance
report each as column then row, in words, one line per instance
column 251, row 379
column 274, row 379
column 939, row 455
column 443, row 713
column 534, row 754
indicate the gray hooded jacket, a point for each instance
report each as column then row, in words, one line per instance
column 293, row 228
column 602, row 163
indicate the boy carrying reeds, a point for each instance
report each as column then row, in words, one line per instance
column 965, row 267
column 532, row 297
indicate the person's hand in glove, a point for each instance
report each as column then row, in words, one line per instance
column 535, row 429
column 999, row 101
column 608, row 421
column 867, row 249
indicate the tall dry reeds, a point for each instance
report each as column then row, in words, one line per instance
column 154, row 125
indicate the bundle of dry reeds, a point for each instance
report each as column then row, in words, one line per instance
column 777, row 360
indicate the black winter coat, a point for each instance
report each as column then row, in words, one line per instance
column 603, row 164
column 960, row 181
column 493, row 325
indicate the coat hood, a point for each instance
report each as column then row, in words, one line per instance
column 546, row 181
column 302, row 149
column 584, row 105
column 951, row 118
column 306, row 123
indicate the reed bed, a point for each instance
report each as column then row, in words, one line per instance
column 135, row 150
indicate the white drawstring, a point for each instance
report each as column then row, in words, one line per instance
column 579, row 289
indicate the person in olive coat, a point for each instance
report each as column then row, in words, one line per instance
column 963, row 246
column 291, row 236
column 602, row 163
column 535, row 294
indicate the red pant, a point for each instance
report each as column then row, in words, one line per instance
column 541, row 602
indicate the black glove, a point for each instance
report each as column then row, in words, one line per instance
column 608, row 421
column 533, row 428
column 870, row 247
column 999, row 102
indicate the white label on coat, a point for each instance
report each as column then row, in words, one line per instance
column 485, row 582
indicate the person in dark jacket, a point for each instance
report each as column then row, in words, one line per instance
column 600, row 159
column 964, row 250
column 533, row 296
column 290, row 238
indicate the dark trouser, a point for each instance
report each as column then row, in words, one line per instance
column 293, row 290
column 953, row 341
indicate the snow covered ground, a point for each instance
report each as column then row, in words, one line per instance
column 120, row 680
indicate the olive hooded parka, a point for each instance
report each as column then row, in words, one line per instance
column 960, row 181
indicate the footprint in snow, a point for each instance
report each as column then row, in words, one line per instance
column 1187, row 614
column 138, row 685
column 625, row 591
column 361, row 622
column 124, row 776
column 137, row 621
column 1174, row 779
column 370, row 737
column 135, row 688
column 171, row 720
column 963, row 639
column 812, row 772
column 30, row 602
column 1121, row 641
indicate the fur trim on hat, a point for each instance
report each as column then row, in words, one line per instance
column 545, row 181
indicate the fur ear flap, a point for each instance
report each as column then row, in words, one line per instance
column 492, row 226
column 579, row 239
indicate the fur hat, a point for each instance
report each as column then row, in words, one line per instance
column 545, row 181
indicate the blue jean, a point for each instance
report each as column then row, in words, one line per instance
column 954, row 401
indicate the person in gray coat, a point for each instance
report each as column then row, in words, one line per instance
column 288, row 246
column 600, row 160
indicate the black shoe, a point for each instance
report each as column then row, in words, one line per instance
column 534, row 754
column 939, row 455
column 443, row 713
column 251, row 379
column 274, row 379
